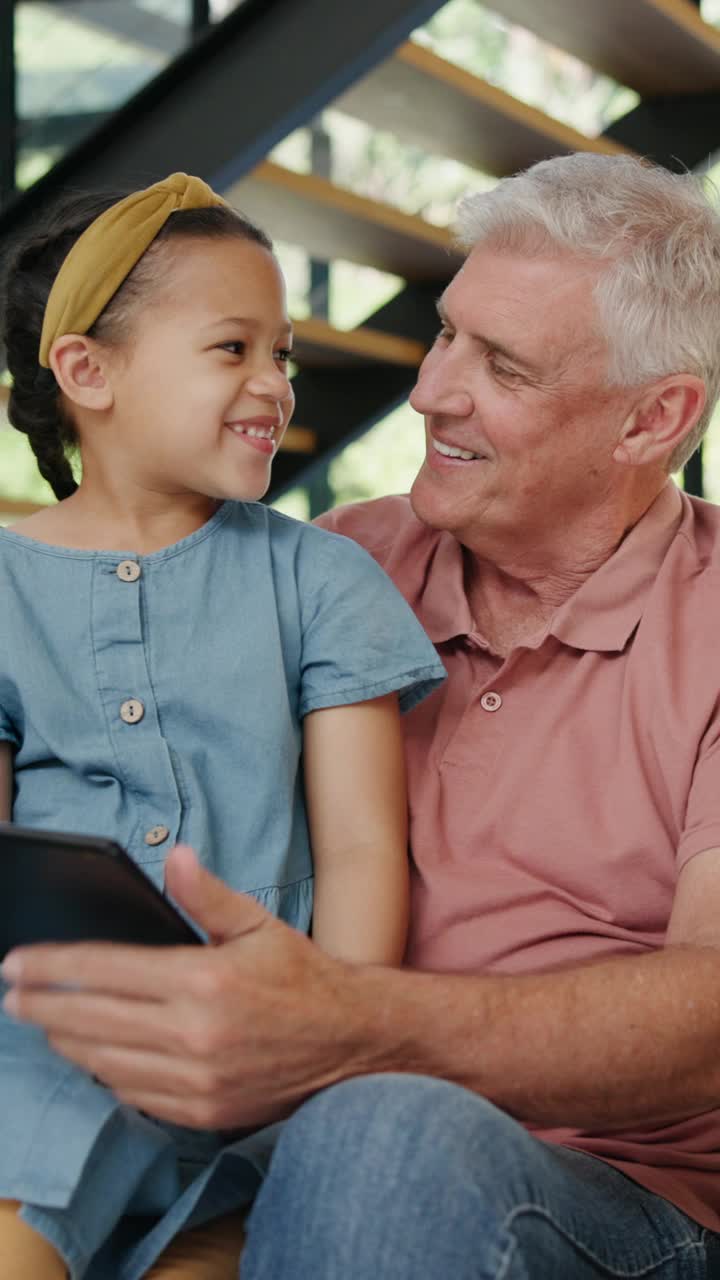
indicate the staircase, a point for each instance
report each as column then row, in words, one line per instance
column 218, row 96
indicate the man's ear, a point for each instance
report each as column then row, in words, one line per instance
column 80, row 371
column 660, row 420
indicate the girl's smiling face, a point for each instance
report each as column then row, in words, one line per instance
column 200, row 392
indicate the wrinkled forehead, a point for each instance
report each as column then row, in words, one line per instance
column 539, row 301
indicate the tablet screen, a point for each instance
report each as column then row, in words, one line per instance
column 56, row 887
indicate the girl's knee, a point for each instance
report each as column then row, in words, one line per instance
column 209, row 1252
column 24, row 1253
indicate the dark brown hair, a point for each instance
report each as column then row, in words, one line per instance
column 35, row 406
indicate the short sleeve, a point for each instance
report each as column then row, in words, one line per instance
column 7, row 730
column 701, row 829
column 361, row 640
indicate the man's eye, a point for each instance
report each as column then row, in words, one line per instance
column 444, row 334
column 502, row 371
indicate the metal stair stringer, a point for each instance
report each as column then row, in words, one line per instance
column 223, row 103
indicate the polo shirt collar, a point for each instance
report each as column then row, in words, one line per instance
column 601, row 615
column 443, row 606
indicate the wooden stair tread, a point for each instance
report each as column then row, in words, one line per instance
column 14, row 507
column 654, row 46
column 433, row 104
column 330, row 222
column 299, row 440
column 319, row 344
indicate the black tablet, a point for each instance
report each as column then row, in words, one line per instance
column 56, row 887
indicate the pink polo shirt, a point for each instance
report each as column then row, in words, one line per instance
column 556, row 794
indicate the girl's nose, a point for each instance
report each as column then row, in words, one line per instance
column 271, row 380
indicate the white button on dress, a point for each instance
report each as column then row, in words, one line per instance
column 156, row 835
column 128, row 571
column 132, row 710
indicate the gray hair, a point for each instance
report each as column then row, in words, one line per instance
column 659, row 298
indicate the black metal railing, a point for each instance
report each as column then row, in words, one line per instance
column 8, row 104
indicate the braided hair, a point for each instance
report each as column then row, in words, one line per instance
column 36, row 405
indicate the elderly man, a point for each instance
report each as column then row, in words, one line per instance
column 536, row 1095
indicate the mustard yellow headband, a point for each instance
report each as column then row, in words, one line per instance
column 108, row 250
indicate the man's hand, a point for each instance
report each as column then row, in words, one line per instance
column 232, row 1035
column 237, row 1034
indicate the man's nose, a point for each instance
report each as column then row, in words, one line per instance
column 439, row 390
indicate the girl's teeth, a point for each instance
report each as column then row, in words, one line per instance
column 260, row 432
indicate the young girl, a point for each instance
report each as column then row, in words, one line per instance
column 179, row 662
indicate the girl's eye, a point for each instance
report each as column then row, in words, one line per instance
column 235, row 348
column 284, row 354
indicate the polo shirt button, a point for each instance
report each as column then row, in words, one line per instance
column 491, row 701
column 132, row 711
column 156, row 835
column 128, row 571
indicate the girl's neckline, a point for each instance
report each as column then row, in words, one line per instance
column 111, row 553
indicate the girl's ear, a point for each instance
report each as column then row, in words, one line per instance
column 81, row 372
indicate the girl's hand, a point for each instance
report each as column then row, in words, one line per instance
column 233, row 1035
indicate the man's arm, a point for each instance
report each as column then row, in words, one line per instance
column 241, row 1033
column 6, row 781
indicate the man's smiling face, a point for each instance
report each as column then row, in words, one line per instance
column 517, row 380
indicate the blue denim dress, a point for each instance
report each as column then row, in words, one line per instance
column 154, row 699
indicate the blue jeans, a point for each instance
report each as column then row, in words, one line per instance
column 398, row 1177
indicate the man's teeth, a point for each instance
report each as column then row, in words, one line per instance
column 450, row 451
column 263, row 433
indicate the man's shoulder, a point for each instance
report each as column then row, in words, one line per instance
column 681, row 611
column 700, row 530
column 386, row 527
